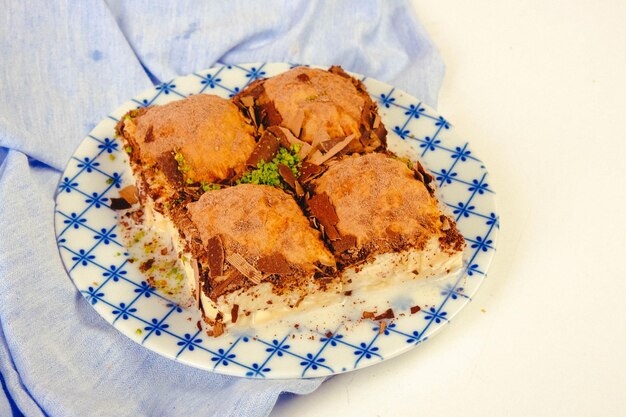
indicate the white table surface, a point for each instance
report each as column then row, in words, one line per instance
column 539, row 90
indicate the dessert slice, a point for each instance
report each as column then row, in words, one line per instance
column 380, row 215
column 258, row 256
column 177, row 152
column 329, row 111
column 181, row 149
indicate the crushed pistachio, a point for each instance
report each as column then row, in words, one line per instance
column 128, row 117
column 140, row 235
column 128, row 149
column 209, row 187
column 266, row 173
column 109, row 181
column 406, row 161
column 112, row 157
column 184, row 167
column 138, row 331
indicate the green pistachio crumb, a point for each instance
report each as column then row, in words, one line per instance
column 406, row 161
column 266, row 173
column 209, row 187
column 112, row 157
column 138, row 331
column 128, row 149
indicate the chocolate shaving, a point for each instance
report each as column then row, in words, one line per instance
column 337, row 70
column 119, row 204
column 415, row 309
column 169, row 167
column 319, row 137
column 149, row 136
column 324, row 271
column 322, row 208
column 308, row 171
column 146, row 265
column 218, row 329
column 287, row 175
column 233, row 278
column 215, row 251
column 329, row 334
column 281, row 135
column 347, row 293
column 331, row 232
column 332, row 152
column 272, row 115
column 130, row 194
column 303, row 77
column 199, row 325
column 328, row 145
column 368, row 314
column 265, row 149
column 344, row 243
column 295, row 123
column 234, row 313
column 382, row 327
column 291, row 140
column 386, row 315
column 248, row 271
column 255, row 89
column 273, row 264
column 421, row 174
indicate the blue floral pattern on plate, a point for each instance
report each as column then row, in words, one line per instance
column 87, row 236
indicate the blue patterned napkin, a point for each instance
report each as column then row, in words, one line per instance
column 63, row 67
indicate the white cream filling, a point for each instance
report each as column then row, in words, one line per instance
column 259, row 304
column 391, row 269
column 387, row 276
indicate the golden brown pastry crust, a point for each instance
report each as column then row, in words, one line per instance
column 179, row 146
column 267, row 228
column 319, row 107
column 380, row 207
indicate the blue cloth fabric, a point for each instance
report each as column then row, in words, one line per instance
column 64, row 66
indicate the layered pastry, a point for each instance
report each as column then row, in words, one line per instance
column 184, row 148
column 379, row 213
column 283, row 198
column 328, row 110
column 259, row 257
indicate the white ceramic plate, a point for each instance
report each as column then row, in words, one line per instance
column 96, row 260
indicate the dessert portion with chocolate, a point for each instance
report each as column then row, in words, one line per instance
column 177, row 152
column 184, row 148
column 379, row 214
column 283, row 198
column 259, row 258
column 328, row 110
